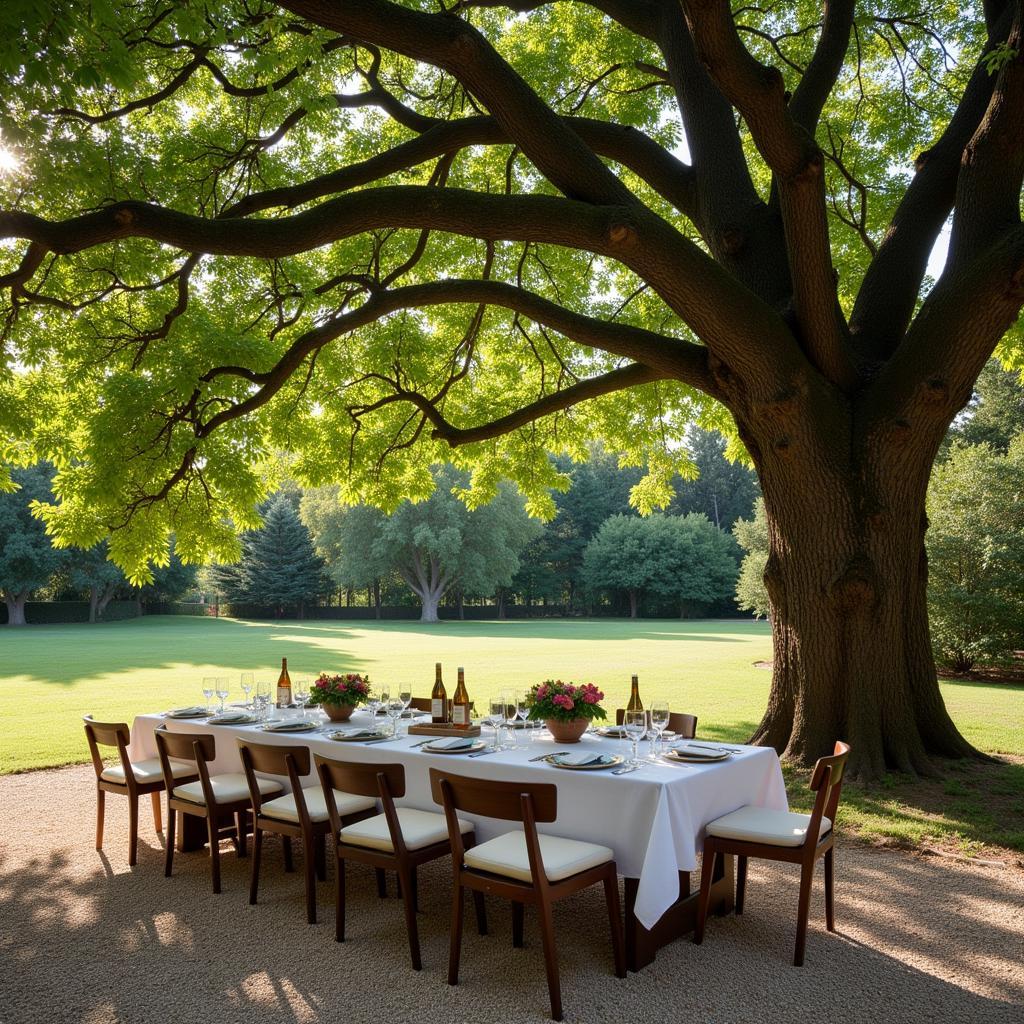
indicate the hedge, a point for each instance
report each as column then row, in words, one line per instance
column 42, row 612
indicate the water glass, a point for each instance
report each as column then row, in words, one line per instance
column 222, row 691
column 635, row 724
column 511, row 714
column 394, row 710
column 302, row 695
column 659, row 723
column 262, row 700
column 495, row 719
column 247, row 685
column 209, row 689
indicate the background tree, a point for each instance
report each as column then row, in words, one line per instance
column 996, row 411
column 27, row 558
column 976, row 555
column 723, row 491
column 511, row 250
column 93, row 572
column 752, row 536
column 623, row 555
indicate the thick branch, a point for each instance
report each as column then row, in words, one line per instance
column 818, row 80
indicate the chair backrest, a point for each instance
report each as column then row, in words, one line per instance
column 827, row 782
column 274, row 759
column 109, row 734
column 420, row 704
column 386, row 781
column 528, row 802
column 683, row 725
column 186, row 746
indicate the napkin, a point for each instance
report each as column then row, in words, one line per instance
column 360, row 734
column 186, row 712
column 287, row 726
column 581, row 758
column 613, row 730
column 696, row 752
column 455, row 743
column 230, row 716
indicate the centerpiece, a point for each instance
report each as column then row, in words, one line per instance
column 339, row 696
column 566, row 708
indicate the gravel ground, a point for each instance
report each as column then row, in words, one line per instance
column 86, row 940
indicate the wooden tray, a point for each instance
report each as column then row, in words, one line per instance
column 442, row 730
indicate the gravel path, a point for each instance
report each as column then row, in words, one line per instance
column 86, row 940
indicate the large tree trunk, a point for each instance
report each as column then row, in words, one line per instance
column 376, row 599
column 429, row 601
column 634, row 603
column 94, row 601
column 847, row 577
column 15, row 608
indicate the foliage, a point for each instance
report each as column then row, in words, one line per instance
column 564, row 702
column 170, row 581
column 752, row 536
column 723, row 491
column 996, row 412
column 93, row 572
column 349, row 690
column 682, row 558
column 976, row 555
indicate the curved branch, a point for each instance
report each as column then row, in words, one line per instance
column 819, row 79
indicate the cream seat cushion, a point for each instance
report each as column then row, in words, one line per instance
column 507, row 855
column 763, row 825
column 283, row 807
column 226, row 789
column 148, row 771
column 419, row 829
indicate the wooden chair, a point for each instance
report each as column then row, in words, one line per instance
column 399, row 839
column 300, row 814
column 222, row 800
column 132, row 779
column 523, row 866
column 684, row 726
column 783, row 836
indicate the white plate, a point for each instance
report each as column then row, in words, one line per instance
column 693, row 757
column 290, row 727
column 431, row 749
column 607, row 761
column 358, row 737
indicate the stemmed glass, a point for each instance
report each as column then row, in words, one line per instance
column 406, row 698
column 659, row 723
column 495, row 718
column 209, row 688
column 383, row 700
column 635, row 724
column 222, row 691
column 395, row 709
column 247, row 684
column 262, row 699
column 511, row 714
column 522, row 710
column 302, row 695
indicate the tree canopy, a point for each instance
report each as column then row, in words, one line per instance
column 752, row 535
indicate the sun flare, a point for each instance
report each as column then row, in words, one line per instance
column 9, row 162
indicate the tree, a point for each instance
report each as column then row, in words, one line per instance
column 27, row 558
column 622, row 555
column 752, row 536
column 436, row 545
column 976, row 555
column 505, row 254
column 723, row 491
column 996, row 412
column 92, row 570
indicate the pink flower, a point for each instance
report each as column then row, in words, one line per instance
column 563, row 700
column 342, row 686
column 542, row 692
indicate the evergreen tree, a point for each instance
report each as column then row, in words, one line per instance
column 724, row 491
column 996, row 412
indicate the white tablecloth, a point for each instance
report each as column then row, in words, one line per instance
column 653, row 818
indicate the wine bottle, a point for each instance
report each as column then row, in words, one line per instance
column 460, row 703
column 635, row 703
column 284, row 686
column 438, row 699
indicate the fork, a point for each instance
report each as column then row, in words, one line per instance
column 483, row 753
column 544, row 757
column 626, row 769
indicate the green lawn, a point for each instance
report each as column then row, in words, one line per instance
column 52, row 675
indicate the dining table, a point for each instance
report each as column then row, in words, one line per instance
column 653, row 818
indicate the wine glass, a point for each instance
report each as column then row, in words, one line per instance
column 209, row 688
column 659, row 723
column 302, row 695
column 405, row 696
column 511, row 714
column 495, row 718
column 522, row 710
column 395, row 709
column 222, row 691
column 262, row 699
column 635, row 724
column 247, row 684
column 383, row 699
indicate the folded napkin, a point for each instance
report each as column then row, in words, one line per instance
column 614, row 730
column 186, row 712
column 696, row 752
column 360, row 734
column 287, row 726
column 577, row 760
column 230, row 716
column 455, row 743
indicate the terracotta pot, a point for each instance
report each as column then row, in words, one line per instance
column 567, row 732
column 338, row 712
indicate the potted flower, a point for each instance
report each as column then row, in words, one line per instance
column 339, row 696
column 566, row 708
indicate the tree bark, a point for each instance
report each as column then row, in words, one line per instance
column 846, row 579
column 94, row 600
column 376, row 599
column 16, row 608
column 429, row 601
column 634, row 602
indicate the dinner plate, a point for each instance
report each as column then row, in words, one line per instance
column 290, row 727
column 430, row 749
column 612, row 732
column 187, row 713
column 607, row 761
column 691, row 757
column 231, row 718
column 358, row 737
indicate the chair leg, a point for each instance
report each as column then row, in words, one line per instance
column 101, row 803
column 741, row 882
column 806, row 877
column 339, row 903
column 157, row 823
column 455, row 939
column 286, row 845
column 133, row 830
column 547, row 935
column 213, row 830
column 830, row 918
column 408, row 907
column 517, row 924
column 169, row 842
column 254, row 875
column 382, row 883
column 240, row 840
column 481, row 912
column 414, row 887
column 611, row 895
column 309, row 869
column 320, row 851
column 707, row 871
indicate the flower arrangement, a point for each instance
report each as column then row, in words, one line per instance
column 554, row 700
column 349, row 690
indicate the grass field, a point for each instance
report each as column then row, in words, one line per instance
column 52, row 675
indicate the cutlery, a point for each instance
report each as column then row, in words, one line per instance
column 625, row 770
column 482, row 753
column 554, row 753
column 422, row 743
column 716, row 746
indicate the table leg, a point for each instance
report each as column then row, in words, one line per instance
column 642, row 944
column 192, row 833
